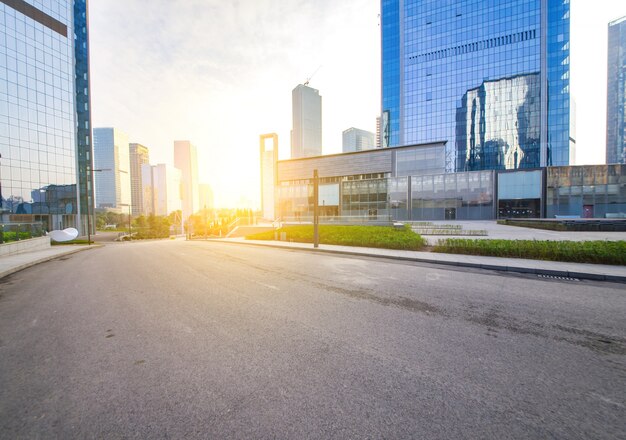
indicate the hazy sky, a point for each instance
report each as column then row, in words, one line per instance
column 221, row 73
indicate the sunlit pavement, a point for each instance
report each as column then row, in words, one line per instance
column 601, row 272
column 176, row 339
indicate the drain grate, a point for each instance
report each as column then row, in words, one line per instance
column 556, row 277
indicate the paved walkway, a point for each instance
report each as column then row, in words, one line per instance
column 496, row 231
column 13, row 263
column 600, row 272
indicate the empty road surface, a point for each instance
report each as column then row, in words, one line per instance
column 175, row 339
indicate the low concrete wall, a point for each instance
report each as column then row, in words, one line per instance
column 18, row 247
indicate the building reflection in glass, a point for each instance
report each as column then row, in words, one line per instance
column 498, row 125
column 52, row 205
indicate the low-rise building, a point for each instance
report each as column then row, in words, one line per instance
column 410, row 183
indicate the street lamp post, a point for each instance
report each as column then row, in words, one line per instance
column 316, row 213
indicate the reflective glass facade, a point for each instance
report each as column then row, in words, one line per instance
column 472, row 73
column 39, row 141
column 420, row 160
column 520, row 194
column 582, row 191
column 453, row 196
column 616, row 96
column 591, row 191
column 391, row 72
column 84, row 140
column 365, row 198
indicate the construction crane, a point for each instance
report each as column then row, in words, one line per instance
column 308, row 80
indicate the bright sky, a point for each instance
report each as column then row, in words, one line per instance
column 221, row 73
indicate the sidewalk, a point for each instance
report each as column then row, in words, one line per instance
column 14, row 263
column 598, row 272
column 496, row 231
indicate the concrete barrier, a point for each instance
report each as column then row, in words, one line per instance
column 18, row 247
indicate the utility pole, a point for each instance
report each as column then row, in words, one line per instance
column 316, row 216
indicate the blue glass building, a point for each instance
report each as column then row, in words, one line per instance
column 45, row 128
column 616, row 93
column 489, row 77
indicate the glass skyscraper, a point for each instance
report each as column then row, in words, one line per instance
column 490, row 78
column 616, row 96
column 45, row 140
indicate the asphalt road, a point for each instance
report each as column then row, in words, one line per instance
column 177, row 339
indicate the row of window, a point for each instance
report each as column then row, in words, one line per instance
column 463, row 49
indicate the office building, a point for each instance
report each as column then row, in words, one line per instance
column 161, row 185
column 269, row 180
column 410, row 183
column 616, row 96
column 112, row 156
column 186, row 160
column 139, row 155
column 355, row 139
column 306, row 133
column 45, row 126
column 205, row 195
column 491, row 79
column 378, row 133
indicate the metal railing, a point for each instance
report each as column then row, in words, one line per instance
column 10, row 232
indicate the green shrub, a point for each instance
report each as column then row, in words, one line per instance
column 598, row 252
column 76, row 241
column 13, row 236
column 385, row 237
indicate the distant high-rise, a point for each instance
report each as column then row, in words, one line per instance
column 440, row 59
column 269, row 175
column 616, row 96
column 139, row 155
column 161, row 189
column 355, row 139
column 378, row 126
column 186, row 160
column 205, row 195
column 111, row 154
column 306, row 133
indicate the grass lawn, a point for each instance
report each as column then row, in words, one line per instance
column 598, row 252
column 385, row 237
column 62, row 243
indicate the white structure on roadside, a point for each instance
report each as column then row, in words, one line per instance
column 306, row 133
column 111, row 155
column 186, row 160
column 161, row 186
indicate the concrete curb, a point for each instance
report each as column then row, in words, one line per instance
column 502, row 268
column 44, row 259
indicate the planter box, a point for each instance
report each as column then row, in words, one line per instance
column 18, row 247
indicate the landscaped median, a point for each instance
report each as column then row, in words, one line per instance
column 385, row 237
column 598, row 252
